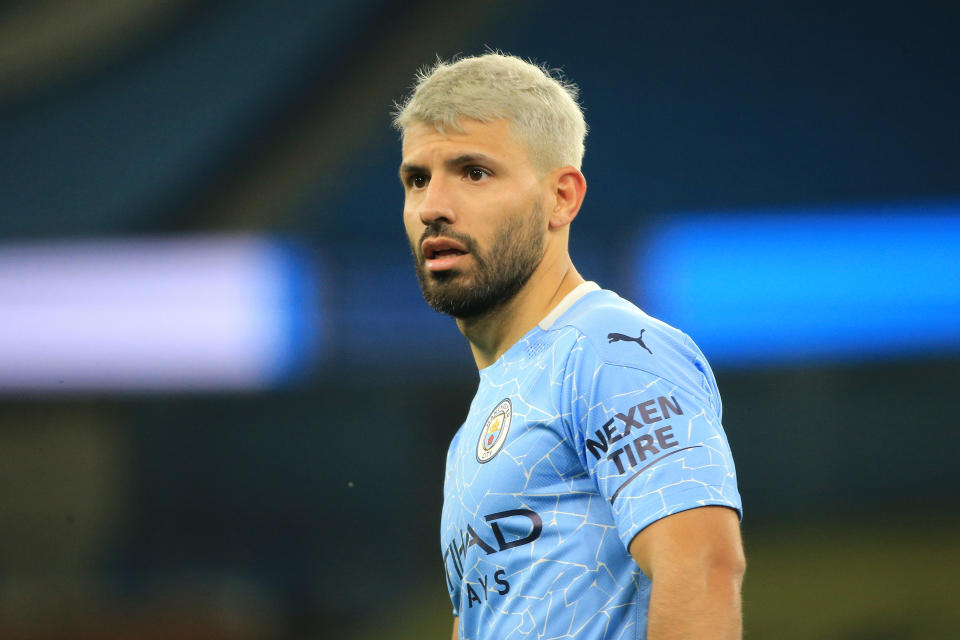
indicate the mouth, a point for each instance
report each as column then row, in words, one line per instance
column 442, row 254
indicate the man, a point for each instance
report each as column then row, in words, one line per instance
column 590, row 493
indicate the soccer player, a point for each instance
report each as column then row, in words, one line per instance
column 590, row 492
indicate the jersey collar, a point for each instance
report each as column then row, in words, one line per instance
column 568, row 301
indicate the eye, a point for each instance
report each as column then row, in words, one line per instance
column 476, row 174
column 418, row 181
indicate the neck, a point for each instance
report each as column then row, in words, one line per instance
column 491, row 334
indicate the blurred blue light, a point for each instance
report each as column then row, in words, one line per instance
column 294, row 309
column 842, row 284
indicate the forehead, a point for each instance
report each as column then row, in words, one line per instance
column 421, row 141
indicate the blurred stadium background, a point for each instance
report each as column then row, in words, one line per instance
column 224, row 406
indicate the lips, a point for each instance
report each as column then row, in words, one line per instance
column 441, row 254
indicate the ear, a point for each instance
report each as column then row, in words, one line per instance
column 568, row 187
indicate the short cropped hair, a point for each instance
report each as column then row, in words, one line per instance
column 540, row 106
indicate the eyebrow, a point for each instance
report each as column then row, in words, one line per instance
column 453, row 163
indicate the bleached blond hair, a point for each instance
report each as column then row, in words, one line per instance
column 540, row 105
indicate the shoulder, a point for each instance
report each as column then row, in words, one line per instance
column 613, row 331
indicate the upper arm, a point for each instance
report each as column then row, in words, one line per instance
column 456, row 628
column 705, row 537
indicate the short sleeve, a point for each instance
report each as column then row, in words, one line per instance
column 653, row 448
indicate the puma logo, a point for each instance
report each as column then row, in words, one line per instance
column 617, row 337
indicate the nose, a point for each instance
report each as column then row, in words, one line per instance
column 436, row 204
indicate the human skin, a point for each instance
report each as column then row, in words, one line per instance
column 477, row 181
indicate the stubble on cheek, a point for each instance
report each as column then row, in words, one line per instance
column 494, row 276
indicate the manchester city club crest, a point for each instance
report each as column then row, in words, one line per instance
column 494, row 432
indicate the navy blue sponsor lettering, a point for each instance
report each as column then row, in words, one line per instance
column 628, row 421
column 611, row 432
column 477, row 540
column 599, row 446
column 643, row 444
column 665, row 407
column 500, row 578
column 472, row 596
column 534, row 518
column 511, row 529
column 638, row 447
column 474, row 589
column 647, row 413
column 637, row 417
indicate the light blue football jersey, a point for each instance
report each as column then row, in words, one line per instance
column 598, row 422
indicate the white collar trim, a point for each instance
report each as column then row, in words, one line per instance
column 568, row 301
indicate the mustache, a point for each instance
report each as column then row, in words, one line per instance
column 442, row 230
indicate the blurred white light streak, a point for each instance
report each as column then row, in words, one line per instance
column 189, row 313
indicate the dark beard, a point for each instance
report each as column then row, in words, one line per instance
column 499, row 274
